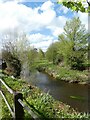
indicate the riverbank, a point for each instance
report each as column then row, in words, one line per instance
column 0, row 107
column 0, row 104
column 65, row 73
column 42, row 102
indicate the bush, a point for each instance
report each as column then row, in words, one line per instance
column 13, row 64
column 76, row 60
column 58, row 59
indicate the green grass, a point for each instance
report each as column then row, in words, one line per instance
column 0, row 103
column 0, row 106
column 64, row 73
column 41, row 102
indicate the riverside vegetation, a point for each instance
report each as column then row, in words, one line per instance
column 42, row 102
column 66, row 59
column 63, row 73
column 0, row 107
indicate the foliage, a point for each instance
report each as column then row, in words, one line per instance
column 61, row 72
column 76, row 60
column 71, row 49
column 27, row 54
column 48, row 107
column 0, row 106
column 32, row 57
column 42, row 64
column 52, row 53
column 11, row 51
column 18, row 53
column 76, row 5
column 41, row 54
column 73, row 43
column 58, row 59
column 75, row 32
column 14, row 84
column 42, row 102
column 13, row 63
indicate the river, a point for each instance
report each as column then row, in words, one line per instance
column 75, row 95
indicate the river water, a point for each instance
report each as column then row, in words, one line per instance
column 75, row 95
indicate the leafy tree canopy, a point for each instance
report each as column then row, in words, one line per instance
column 79, row 5
column 41, row 54
column 75, row 32
column 73, row 43
column 51, row 52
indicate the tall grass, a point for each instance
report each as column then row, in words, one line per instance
column 0, row 106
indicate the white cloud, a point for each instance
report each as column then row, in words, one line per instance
column 43, row 44
column 64, row 9
column 34, row 38
column 57, row 24
column 57, row 31
column 83, row 17
column 18, row 15
column 27, row 19
column 47, row 6
column 14, row 15
column 2, row 1
column 40, row 41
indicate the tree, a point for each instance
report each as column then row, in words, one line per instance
column 76, row 5
column 13, row 52
column 52, row 53
column 73, row 42
column 75, row 32
column 13, row 63
column 32, row 55
column 41, row 54
column 76, row 60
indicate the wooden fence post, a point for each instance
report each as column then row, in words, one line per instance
column 19, row 112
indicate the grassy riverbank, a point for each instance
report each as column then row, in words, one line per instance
column 0, row 104
column 64, row 73
column 40, row 101
column 0, row 107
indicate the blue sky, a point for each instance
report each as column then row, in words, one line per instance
column 42, row 22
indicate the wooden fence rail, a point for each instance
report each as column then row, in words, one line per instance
column 18, row 111
column 10, row 109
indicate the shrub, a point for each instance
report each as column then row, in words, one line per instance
column 13, row 63
column 76, row 60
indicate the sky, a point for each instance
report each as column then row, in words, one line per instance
column 42, row 22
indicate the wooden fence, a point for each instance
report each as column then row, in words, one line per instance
column 17, row 111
